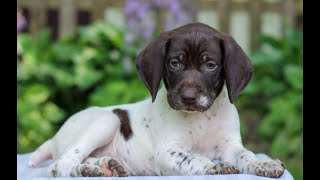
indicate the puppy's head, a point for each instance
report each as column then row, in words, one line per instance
column 194, row 61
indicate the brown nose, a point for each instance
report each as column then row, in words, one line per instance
column 189, row 96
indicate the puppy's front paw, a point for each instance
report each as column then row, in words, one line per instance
column 223, row 168
column 269, row 168
column 88, row 170
column 112, row 167
column 117, row 169
column 53, row 170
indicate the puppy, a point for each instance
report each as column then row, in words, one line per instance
column 191, row 128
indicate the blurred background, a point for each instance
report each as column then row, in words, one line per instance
column 73, row 54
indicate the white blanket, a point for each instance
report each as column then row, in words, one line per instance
column 26, row 173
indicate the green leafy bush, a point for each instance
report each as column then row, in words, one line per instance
column 275, row 95
column 57, row 79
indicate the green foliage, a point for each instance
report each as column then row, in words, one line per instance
column 57, row 79
column 276, row 90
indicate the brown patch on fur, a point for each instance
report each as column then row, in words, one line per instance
column 125, row 127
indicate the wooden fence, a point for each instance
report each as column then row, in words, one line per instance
column 63, row 16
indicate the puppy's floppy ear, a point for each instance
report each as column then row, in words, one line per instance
column 150, row 63
column 237, row 66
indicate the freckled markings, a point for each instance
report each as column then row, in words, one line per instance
column 190, row 160
column 184, row 159
column 172, row 153
column 54, row 173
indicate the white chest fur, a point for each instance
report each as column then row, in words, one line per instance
column 157, row 125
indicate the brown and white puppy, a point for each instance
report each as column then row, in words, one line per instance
column 191, row 128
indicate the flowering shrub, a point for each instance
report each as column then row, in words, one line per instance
column 21, row 22
column 143, row 17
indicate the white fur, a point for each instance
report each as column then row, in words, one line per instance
column 203, row 101
column 158, row 131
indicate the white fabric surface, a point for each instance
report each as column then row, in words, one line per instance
column 26, row 173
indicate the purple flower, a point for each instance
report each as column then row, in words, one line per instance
column 142, row 17
column 21, row 22
column 159, row 3
column 144, row 9
column 168, row 25
column 174, row 7
column 127, row 64
column 128, row 38
column 131, row 6
column 149, row 31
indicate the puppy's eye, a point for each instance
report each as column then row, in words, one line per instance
column 175, row 64
column 211, row 66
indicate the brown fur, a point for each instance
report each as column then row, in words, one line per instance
column 125, row 127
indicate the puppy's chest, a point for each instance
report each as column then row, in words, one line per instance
column 203, row 136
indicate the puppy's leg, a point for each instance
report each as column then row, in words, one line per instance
column 177, row 162
column 248, row 162
column 41, row 154
column 99, row 133
column 87, row 170
column 109, row 166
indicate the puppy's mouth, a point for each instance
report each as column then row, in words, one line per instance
column 200, row 104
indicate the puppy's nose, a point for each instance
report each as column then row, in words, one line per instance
column 189, row 96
